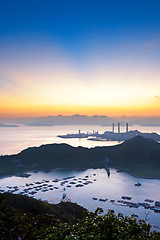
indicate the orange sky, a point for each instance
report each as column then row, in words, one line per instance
column 45, row 110
column 51, row 83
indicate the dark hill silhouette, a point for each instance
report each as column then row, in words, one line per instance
column 134, row 153
column 66, row 211
column 55, row 155
column 123, row 136
column 138, row 149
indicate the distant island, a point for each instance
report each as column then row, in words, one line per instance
column 8, row 125
column 71, row 120
column 111, row 135
column 78, row 119
column 139, row 156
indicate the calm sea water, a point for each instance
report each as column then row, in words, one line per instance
column 13, row 140
column 100, row 186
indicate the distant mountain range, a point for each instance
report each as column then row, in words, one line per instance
column 7, row 125
column 141, row 156
column 71, row 120
column 78, row 119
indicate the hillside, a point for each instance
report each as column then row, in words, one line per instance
column 64, row 211
column 134, row 154
column 137, row 149
column 21, row 221
column 123, row 136
column 141, row 156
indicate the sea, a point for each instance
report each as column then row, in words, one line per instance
column 89, row 188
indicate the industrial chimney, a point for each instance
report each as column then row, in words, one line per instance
column 118, row 127
column 113, row 127
column 126, row 127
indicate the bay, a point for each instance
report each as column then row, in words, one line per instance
column 100, row 186
column 14, row 140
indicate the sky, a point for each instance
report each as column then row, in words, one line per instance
column 79, row 57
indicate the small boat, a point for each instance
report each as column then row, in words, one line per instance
column 120, row 201
column 103, row 200
column 156, row 210
column 157, row 204
column 148, row 200
column 125, row 197
column 94, row 198
column 137, row 184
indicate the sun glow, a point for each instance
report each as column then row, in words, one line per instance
column 48, row 82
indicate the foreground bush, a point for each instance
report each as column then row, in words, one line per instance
column 17, row 225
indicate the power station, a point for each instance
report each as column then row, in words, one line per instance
column 119, row 127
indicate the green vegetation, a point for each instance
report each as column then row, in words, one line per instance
column 31, row 224
column 64, row 211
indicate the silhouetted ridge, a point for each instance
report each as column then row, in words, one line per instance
column 57, row 155
column 139, row 140
column 47, row 147
column 139, row 144
column 138, row 151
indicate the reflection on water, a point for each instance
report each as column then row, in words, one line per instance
column 13, row 140
column 95, row 184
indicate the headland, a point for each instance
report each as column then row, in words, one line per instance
column 141, row 156
column 112, row 135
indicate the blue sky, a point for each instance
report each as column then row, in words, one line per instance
column 71, row 21
column 79, row 44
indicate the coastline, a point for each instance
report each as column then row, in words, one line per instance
column 138, row 157
column 128, row 171
column 26, row 174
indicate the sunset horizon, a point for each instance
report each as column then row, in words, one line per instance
column 80, row 119
column 80, row 58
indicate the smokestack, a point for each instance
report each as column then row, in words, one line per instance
column 113, row 127
column 118, row 127
column 126, row 127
